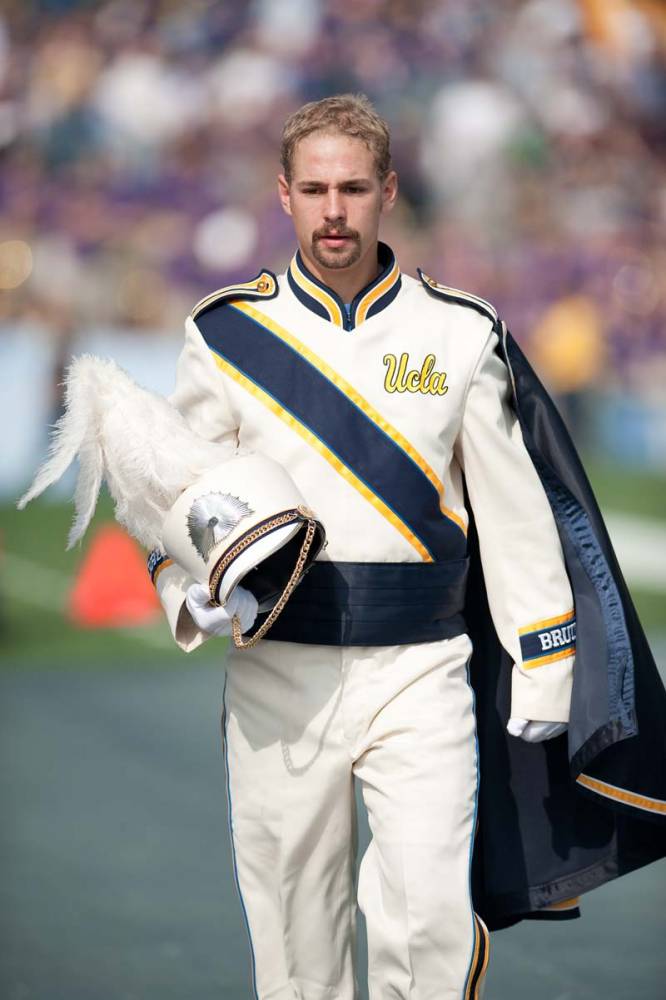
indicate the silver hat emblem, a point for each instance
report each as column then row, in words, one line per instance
column 212, row 517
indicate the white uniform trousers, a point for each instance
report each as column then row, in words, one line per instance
column 299, row 721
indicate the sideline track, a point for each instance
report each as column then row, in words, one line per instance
column 117, row 878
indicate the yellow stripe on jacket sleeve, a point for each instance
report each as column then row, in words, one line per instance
column 546, row 623
column 561, row 654
column 363, row 405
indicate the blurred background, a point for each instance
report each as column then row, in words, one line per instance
column 138, row 153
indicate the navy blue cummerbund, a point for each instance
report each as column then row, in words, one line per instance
column 374, row 604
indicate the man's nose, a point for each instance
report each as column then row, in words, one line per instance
column 334, row 209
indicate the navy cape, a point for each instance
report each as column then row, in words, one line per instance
column 561, row 817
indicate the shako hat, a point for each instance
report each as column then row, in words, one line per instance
column 224, row 518
column 244, row 522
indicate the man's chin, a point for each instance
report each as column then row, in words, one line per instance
column 336, row 259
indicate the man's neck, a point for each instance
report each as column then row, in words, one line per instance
column 346, row 282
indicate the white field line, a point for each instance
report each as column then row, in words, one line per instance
column 47, row 588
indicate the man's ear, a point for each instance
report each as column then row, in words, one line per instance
column 283, row 194
column 389, row 191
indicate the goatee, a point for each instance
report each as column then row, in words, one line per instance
column 332, row 258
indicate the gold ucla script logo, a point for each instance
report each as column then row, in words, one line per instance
column 399, row 379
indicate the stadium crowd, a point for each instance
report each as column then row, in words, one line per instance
column 139, row 138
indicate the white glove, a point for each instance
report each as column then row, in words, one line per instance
column 535, row 732
column 217, row 621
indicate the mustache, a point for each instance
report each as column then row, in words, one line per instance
column 325, row 231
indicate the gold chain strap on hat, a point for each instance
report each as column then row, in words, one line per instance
column 288, row 517
column 239, row 642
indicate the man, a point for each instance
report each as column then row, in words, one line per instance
column 387, row 399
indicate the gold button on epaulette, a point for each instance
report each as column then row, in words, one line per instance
column 458, row 296
column 434, row 284
column 263, row 286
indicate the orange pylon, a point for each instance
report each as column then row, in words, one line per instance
column 112, row 588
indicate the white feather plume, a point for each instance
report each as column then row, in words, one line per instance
column 132, row 438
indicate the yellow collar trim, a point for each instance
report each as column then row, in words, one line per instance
column 371, row 297
column 321, row 296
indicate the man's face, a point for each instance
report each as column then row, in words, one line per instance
column 335, row 199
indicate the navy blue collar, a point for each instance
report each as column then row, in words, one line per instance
column 323, row 301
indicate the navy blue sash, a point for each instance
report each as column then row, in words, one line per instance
column 265, row 359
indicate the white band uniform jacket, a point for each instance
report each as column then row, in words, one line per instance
column 384, row 417
column 420, row 371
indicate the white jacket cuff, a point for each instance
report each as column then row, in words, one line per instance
column 543, row 695
column 171, row 583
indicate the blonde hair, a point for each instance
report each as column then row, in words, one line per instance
column 348, row 114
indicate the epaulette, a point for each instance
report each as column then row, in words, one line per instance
column 459, row 297
column 264, row 286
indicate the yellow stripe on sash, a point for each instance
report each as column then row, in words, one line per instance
column 319, row 446
column 362, row 404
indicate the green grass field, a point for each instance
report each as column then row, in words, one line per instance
column 34, row 626
column 36, row 574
